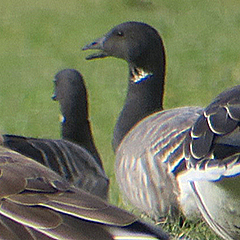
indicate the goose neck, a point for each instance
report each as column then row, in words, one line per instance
column 144, row 97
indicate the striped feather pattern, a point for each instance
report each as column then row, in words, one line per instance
column 149, row 182
column 36, row 203
column 213, row 154
column 71, row 161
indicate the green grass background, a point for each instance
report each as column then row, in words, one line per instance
column 39, row 38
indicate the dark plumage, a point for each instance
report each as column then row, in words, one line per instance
column 36, row 203
column 148, row 141
column 80, row 165
column 71, row 93
column 140, row 45
column 213, row 156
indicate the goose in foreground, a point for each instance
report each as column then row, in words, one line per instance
column 36, row 203
column 80, row 165
column 212, row 150
column 147, row 140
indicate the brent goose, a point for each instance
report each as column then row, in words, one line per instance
column 37, row 203
column 148, row 140
column 79, row 164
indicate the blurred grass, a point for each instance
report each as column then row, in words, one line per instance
column 39, row 38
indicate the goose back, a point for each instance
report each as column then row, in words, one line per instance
column 212, row 150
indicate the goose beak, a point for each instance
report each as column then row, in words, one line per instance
column 97, row 44
column 54, row 97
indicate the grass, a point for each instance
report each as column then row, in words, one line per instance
column 39, row 38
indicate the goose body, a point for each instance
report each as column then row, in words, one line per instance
column 37, row 203
column 147, row 140
column 213, row 156
column 68, row 159
column 75, row 159
column 152, row 171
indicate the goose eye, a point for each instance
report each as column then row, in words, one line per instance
column 120, row 34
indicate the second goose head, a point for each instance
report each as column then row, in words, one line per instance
column 71, row 93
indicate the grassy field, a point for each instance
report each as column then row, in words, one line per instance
column 39, row 38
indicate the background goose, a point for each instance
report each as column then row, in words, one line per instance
column 36, row 203
column 80, row 165
column 71, row 93
column 213, row 154
column 148, row 145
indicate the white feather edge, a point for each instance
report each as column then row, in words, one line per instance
column 215, row 173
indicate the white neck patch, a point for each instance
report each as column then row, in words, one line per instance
column 139, row 75
column 62, row 119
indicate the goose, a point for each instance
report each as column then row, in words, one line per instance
column 74, row 157
column 147, row 140
column 212, row 152
column 71, row 93
column 37, row 203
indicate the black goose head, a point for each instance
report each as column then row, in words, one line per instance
column 136, row 42
column 70, row 91
column 141, row 46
